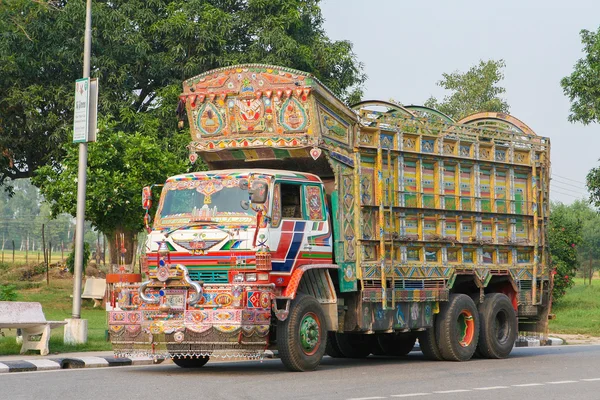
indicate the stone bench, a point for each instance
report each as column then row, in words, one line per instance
column 29, row 317
column 94, row 289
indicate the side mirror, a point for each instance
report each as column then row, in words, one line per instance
column 147, row 198
column 243, row 184
column 258, row 192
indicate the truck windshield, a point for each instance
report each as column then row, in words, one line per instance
column 222, row 202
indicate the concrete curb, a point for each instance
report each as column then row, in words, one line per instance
column 74, row 362
column 528, row 341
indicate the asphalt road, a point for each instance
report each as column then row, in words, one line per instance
column 565, row 372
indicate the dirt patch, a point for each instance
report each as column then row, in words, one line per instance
column 578, row 339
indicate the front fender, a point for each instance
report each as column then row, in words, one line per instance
column 292, row 288
column 313, row 280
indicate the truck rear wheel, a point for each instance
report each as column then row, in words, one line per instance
column 498, row 326
column 332, row 349
column 190, row 361
column 302, row 337
column 354, row 345
column 457, row 328
column 429, row 344
column 396, row 345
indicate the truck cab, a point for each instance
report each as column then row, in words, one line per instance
column 216, row 221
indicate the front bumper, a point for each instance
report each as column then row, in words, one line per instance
column 230, row 320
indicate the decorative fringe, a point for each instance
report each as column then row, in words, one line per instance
column 223, row 354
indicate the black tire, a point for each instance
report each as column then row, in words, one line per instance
column 457, row 328
column 302, row 337
column 429, row 345
column 498, row 322
column 190, row 362
column 354, row 345
column 332, row 349
column 396, row 345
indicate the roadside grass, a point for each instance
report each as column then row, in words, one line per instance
column 578, row 312
column 58, row 305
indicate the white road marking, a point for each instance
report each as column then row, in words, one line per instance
column 478, row 388
column 367, row 398
column 529, row 384
column 491, row 388
column 453, row 391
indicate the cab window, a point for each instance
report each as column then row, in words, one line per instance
column 291, row 205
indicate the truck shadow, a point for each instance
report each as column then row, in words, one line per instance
column 413, row 360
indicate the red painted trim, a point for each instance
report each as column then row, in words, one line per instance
column 292, row 287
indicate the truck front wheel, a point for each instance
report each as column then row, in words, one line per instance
column 190, row 361
column 498, row 326
column 302, row 337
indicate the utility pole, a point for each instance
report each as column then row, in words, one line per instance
column 76, row 329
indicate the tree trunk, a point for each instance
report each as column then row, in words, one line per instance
column 98, row 250
column 118, row 241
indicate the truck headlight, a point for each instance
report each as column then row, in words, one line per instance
column 250, row 277
column 263, row 277
column 237, row 278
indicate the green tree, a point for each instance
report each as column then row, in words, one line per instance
column 18, row 213
column 119, row 165
column 473, row 91
column 58, row 230
column 589, row 251
column 141, row 51
column 38, row 62
column 564, row 235
column 593, row 185
column 582, row 87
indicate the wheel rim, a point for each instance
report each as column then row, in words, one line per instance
column 502, row 327
column 466, row 328
column 310, row 334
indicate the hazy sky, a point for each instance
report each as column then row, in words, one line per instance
column 406, row 46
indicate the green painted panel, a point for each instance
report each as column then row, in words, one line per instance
column 347, row 277
column 347, row 272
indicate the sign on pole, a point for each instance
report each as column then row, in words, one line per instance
column 85, row 120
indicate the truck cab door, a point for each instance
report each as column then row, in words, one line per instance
column 298, row 225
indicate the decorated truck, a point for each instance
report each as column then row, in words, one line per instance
column 325, row 229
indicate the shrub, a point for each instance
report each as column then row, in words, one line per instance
column 86, row 257
column 8, row 293
column 563, row 238
column 39, row 269
column 26, row 274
